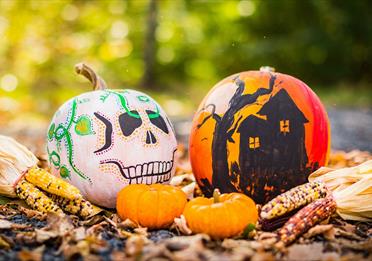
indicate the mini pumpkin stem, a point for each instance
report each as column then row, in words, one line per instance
column 216, row 195
column 91, row 75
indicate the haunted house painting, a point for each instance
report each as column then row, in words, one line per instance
column 278, row 141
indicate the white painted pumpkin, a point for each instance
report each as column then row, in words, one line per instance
column 103, row 140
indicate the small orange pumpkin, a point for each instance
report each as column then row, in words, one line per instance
column 153, row 206
column 222, row 216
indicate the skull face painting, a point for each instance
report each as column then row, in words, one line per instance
column 103, row 140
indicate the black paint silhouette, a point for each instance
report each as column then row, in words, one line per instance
column 108, row 132
column 278, row 141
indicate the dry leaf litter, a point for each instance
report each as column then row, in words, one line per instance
column 27, row 234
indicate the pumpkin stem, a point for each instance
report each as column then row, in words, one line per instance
column 216, row 195
column 91, row 75
column 267, row 69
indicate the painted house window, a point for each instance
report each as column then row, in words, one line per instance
column 254, row 142
column 284, row 126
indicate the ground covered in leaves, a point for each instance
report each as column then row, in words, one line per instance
column 26, row 234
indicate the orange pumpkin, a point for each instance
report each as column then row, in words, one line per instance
column 222, row 216
column 153, row 206
column 260, row 133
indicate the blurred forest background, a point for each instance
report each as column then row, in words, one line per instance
column 176, row 50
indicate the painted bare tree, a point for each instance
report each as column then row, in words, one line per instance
column 223, row 133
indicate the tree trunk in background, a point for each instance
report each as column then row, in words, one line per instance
column 150, row 46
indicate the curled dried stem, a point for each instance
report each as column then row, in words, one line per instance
column 97, row 82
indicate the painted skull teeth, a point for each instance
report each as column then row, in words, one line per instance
column 160, row 178
column 146, row 173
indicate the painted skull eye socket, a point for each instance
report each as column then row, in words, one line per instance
column 108, row 132
column 129, row 122
column 157, row 120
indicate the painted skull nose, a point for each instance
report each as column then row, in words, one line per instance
column 150, row 138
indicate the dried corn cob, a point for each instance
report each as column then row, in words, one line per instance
column 80, row 206
column 274, row 223
column 306, row 218
column 15, row 160
column 293, row 199
column 35, row 197
column 47, row 182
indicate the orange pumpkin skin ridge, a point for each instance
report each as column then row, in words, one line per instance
column 227, row 218
column 153, row 206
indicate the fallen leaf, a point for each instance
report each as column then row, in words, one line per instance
column 265, row 240
column 30, row 213
column 342, row 233
column 60, row 224
column 112, row 223
column 180, row 224
column 229, row 243
column 7, row 210
column 43, row 235
column 308, row 252
column 5, row 224
column 331, row 256
column 242, row 253
column 118, row 255
column 127, row 224
column 240, row 249
column 266, row 235
column 157, row 252
column 135, row 244
column 115, row 218
column 25, row 237
column 263, row 256
column 92, row 221
column 348, row 227
column 192, row 248
column 4, row 200
column 97, row 228
column 96, row 244
column 4, row 244
column 178, row 180
column 79, row 233
column 189, row 190
column 80, row 249
column 328, row 231
column 31, row 255
column 141, row 231
column 356, row 245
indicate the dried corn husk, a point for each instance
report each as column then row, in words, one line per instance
column 15, row 159
column 351, row 189
column 20, row 177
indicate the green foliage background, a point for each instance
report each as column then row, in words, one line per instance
column 326, row 43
